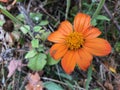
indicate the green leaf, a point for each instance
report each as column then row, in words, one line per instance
column 69, row 84
column 25, row 29
column 37, row 28
column 74, row 10
column 66, row 76
column 45, row 35
column 41, row 48
column 42, row 31
column 51, row 61
column 31, row 53
column 2, row 7
column 101, row 17
column 20, row 17
column 94, row 22
column 20, row 0
column 37, row 62
column 43, row 22
column 52, row 86
column 36, row 17
column 35, row 43
column 117, row 46
column 2, row 22
column 37, row 36
column 100, row 5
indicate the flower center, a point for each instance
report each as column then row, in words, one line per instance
column 74, row 41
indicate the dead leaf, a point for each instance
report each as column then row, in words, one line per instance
column 13, row 66
column 34, row 82
column 4, row 1
column 112, row 69
column 111, row 66
column 108, row 86
column 116, row 82
column 9, row 38
column 16, row 35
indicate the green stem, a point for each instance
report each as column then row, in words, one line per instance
column 5, row 12
column 100, row 5
column 15, row 20
column 67, row 8
column 89, row 77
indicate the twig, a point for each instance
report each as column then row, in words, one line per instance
column 28, row 8
column 26, row 15
column 50, row 79
column 105, row 66
column 3, row 76
column 41, row 7
column 23, row 83
column 51, row 29
column 110, row 15
column 103, row 88
column 13, row 3
column 116, row 6
column 80, row 5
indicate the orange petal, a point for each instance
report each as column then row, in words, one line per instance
column 69, row 61
column 84, row 60
column 56, row 37
column 97, row 46
column 91, row 33
column 81, row 22
column 58, row 50
column 65, row 28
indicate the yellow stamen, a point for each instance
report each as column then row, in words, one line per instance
column 74, row 41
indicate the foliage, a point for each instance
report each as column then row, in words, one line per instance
column 52, row 85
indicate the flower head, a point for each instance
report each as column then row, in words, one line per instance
column 77, row 43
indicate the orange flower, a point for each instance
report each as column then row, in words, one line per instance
column 78, row 43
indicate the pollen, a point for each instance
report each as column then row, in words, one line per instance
column 74, row 41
